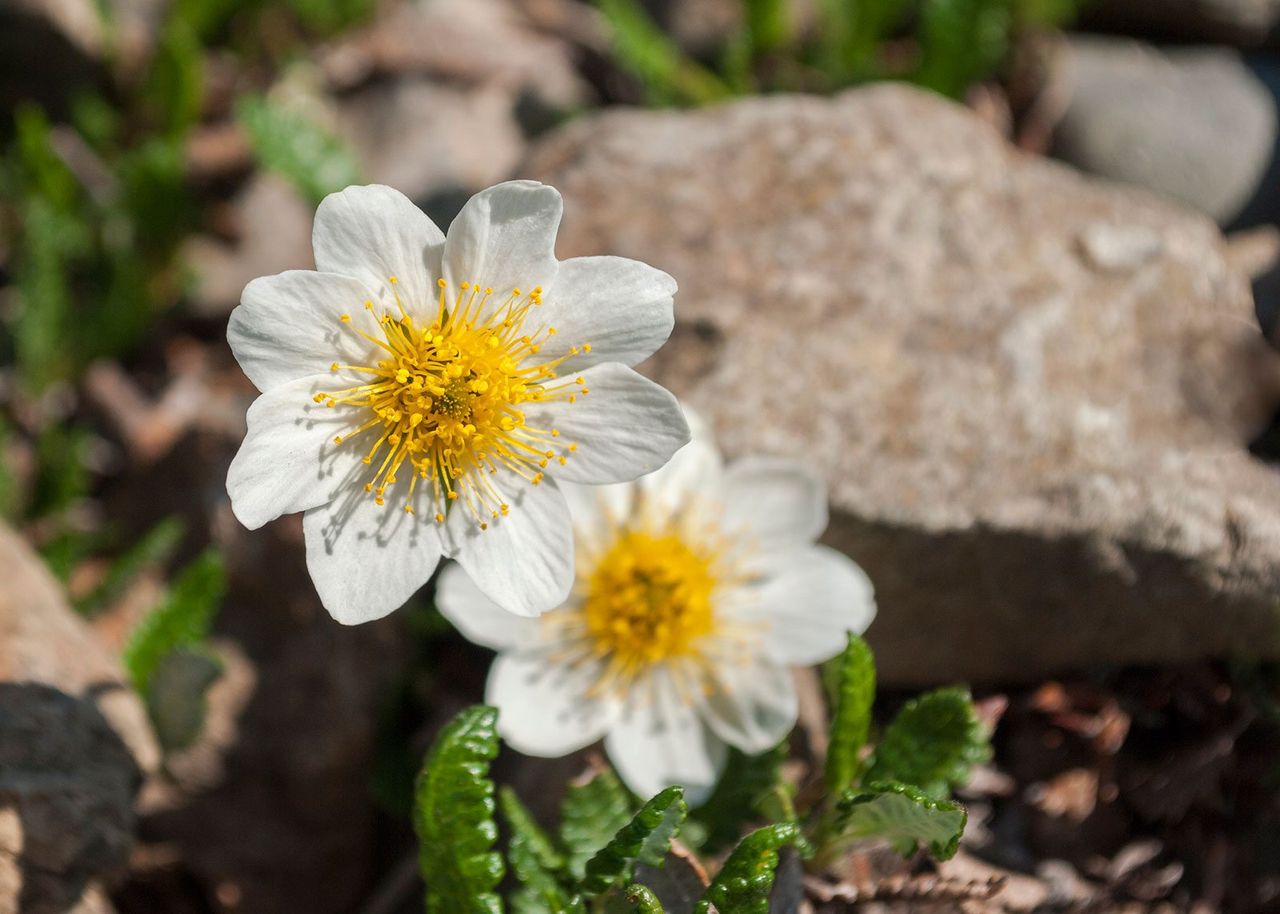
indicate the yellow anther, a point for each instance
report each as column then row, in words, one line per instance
column 439, row 516
column 392, row 280
column 441, row 283
column 345, row 318
column 333, row 366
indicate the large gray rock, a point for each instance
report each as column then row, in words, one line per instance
column 1194, row 124
column 1029, row 392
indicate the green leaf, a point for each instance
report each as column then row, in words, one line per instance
column 903, row 816
column 182, row 620
column 851, row 34
column 591, row 814
column 932, row 743
column 177, row 699
column 155, row 548
column 768, row 23
column 961, row 42
column 634, row 899
column 534, row 860
column 645, row 839
column 453, row 816
column 293, row 145
column 742, row 886
column 851, row 719
column 644, row 50
column 747, row 779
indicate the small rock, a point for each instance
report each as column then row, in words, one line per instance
column 1194, row 124
column 43, row 641
column 427, row 139
column 67, row 784
column 74, row 744
column 470, row 42
column 273, row 222
column 1041, row 464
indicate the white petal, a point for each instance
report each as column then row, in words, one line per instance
column 660, row 740
column 621, row 307
column 288, row 461
column 695, row 472
column 524, row 560
column 809, row 598
column 750, row 705
column 625, row 427
column 366, row 560
column 373, row 233
column 290, row 325
column 778, row 502
column 543, row 708
column 478, row 618
column 505, row 238
column 598, row 511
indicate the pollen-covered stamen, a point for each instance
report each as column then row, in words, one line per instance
column 448, row 399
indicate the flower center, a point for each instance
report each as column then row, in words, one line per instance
column 446, row 400
column 650, row 599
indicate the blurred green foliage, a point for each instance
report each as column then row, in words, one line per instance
column 944, row 45
column 94, row 209
column 291, row 144
column 167, row 656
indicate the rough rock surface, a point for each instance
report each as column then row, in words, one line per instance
column 73, row 744
column 1029, row 392
column 1157, row 118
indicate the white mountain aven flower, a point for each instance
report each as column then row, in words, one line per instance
column 697, row 588
column 423, row 395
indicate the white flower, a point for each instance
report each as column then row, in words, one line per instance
column 698, row 586
column 422, row 395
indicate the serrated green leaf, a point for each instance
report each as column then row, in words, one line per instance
column 293, row 145
column 645, row 839
column 932, row 743
column 634, row 899
column 182, row 620
column 453, row 816
column 742, row 886
column 591, row 814
column 534, row 860
column 747, row 779
column 851, row 719
column 903, row 816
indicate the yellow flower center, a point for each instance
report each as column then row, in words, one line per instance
column 446, row 400
column 649, row 599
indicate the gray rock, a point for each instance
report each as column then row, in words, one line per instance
column 74, row 744
column 1194, row 124
column 67, row 784
column 426, row 139
column 43, row 641
column 1029, row 392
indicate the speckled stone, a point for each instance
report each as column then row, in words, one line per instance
column 1030, row 392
